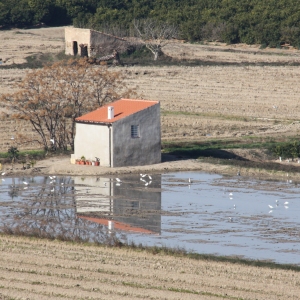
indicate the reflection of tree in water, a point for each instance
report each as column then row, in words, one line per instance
column 14, row 191
column 48, row 210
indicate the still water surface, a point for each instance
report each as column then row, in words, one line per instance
column 213, row 214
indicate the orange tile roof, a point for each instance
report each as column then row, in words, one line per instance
column 122, row 109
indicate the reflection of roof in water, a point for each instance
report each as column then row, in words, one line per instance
column 118, row 225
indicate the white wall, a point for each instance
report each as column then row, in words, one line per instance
column 80, row 35
column 95, row 195
column 92, row 140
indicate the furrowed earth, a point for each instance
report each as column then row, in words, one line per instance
column 232, row 92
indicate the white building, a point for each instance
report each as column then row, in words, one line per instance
column 123, row 133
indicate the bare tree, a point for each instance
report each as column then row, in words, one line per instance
column 53, row 97
column 155, row 34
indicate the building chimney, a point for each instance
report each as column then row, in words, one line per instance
column 110, row 111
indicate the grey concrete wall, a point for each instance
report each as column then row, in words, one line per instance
column 104, row 44
column 92, row 141
column 82, row 36
column 146, row 149
column 138, row 207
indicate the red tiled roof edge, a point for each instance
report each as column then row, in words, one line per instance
column 110, row 121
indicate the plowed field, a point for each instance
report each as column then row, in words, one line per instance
column 237, row 91
column 34, row 269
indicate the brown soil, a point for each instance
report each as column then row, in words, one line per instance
column 42, row 269
column 238, row 92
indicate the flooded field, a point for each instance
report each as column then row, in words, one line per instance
column 199, row 212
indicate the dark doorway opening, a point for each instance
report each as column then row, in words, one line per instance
column 83, row 50
column 75, row 48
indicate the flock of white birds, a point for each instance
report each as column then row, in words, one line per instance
column 143, row 178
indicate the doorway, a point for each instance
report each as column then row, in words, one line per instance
column 75, row 48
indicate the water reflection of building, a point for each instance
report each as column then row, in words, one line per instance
column 131, row 205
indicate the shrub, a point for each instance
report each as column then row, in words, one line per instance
column 287, row 150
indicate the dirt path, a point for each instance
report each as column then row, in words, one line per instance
column 60, row 165
column 41, row 269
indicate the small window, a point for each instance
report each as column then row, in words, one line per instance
column 135, row 131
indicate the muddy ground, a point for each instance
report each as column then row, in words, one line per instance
column 238, row 92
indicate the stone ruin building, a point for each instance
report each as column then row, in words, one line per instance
column 93, row 44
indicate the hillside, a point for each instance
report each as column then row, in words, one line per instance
column 266, row 22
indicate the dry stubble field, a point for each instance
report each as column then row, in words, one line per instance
column 239, row 91
column 244, row 92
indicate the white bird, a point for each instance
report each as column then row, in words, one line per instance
column 141, row 179
column 24, row 182
column 277, row 201
column 52, row 141
column 230, row 194
column 143, row 175
column 190, row 180
column 286, row 203
column 3, row 179
column 271, row 206
column 51, row 177
column 52, row 190
column 230, row 219
column 12, row 138
column 3, row 173
column 62, row 183
column 118, row 179
column 234, row 206
column 149, row 177
column 146, row 184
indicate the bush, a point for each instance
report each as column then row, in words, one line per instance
column 287, row 150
